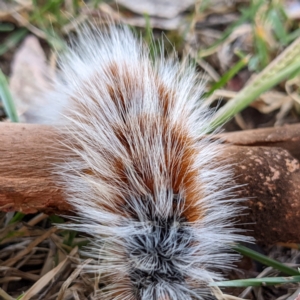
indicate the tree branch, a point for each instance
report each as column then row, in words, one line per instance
column 264, row 163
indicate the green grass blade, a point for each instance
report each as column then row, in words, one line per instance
column 257, row 281
column 293, row 35
column 17, row 217
column 12, row 234
column 56, row 219
column 148, row 30
column 247, row 15
column 55, row 41
column 261, row 46
column 76, row 6
column 250, row 93
column 69, row 237
column 12, row 40
column 276, row 19
column 283, row 67
column 228, row 75
column 7, row 100
column 149, row 39
column 6, row 27
column 266, row 260
column 96, row 3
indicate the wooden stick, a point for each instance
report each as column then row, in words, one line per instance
column 264, row 163
column 270, row 180
column 26, row 157
column 286, row 137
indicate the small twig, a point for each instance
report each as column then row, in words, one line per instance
column 5, row 296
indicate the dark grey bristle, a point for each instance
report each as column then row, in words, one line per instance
column 155, row 253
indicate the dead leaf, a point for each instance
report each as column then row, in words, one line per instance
column 157, row 8
column 30, row 78
column 159, row 23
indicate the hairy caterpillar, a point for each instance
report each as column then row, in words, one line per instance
column 146, row 182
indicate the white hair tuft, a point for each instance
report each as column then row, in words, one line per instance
column 146, row 182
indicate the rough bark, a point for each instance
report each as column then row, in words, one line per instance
column 286, row 137
column 264, row 163
column 26, row 158
column 270, row 179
